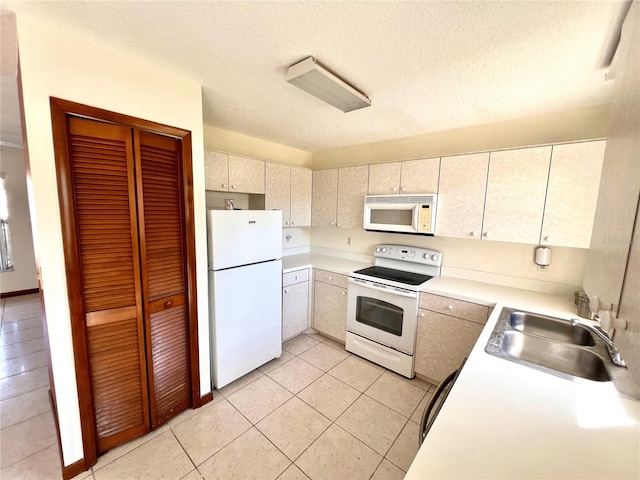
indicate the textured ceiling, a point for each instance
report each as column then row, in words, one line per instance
column 427, row 66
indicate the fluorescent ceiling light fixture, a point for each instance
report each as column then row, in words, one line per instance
column 312, row 77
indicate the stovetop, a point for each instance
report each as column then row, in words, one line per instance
column 402, row 266
column 391, row 274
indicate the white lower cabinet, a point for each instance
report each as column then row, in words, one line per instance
column 295, row 303
column 445, row 339
column 330, row 304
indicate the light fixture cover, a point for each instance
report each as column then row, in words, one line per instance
column 312, row 77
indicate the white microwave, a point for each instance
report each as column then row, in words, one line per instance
column 415, row 214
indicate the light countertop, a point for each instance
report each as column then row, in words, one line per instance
column 503, row 420
column 508, row 421
column 323, row 262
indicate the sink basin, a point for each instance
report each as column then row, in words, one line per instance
column 549, row 327
column 559, row 357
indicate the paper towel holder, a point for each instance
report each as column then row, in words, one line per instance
column 542, row 256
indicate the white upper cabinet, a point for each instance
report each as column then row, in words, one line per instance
column 463, row 183
column 301, row 187
column 572, row 194
column 410, row 176
column 232, row 173
column 325, row 198
column 515, row 199
column 246, row 174
column 278, row 190
column 384, row 178
column 420, row 176
column 216, row 171
column 352, row 188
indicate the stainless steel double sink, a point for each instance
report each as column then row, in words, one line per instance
column 558, row 347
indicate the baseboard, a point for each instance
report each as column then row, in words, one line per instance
column 17, row 293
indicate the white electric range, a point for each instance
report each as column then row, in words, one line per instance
column 382, row 306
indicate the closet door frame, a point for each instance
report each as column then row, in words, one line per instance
column 60, row 110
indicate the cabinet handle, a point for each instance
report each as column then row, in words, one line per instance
column 338, row 224
column 233, row 186
column 168, row 303
column 422, row 314
column 286, row 291
column 292, row 222
column 487, row 234
column 450, row 307
column 395, row 189
column 474, row 234
column 548, row 238
column 224, row 185
column 331, row 224
column 344, row 293
column 330, row 278
column 296, row 277
column 404, row 189
column 286, row 223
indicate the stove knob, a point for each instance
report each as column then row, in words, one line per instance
column 434, row 257
column 377, row 249
column 384, row 250
column 426, row 256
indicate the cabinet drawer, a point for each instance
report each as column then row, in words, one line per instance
column 297, row 276
column 455, row 308
column 331, row 278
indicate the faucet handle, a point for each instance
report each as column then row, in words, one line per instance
column 609, row 321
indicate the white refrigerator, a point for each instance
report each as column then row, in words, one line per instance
column 245, row 290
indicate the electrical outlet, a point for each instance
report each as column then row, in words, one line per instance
column 348, row 241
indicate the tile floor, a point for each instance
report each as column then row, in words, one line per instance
column 317, row 412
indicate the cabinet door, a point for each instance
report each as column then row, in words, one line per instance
column 300, row 197
column 572, row 194
column 325, row 197
column 216, row 168
column 330, row 310
column 442, row 343
column 516, row 190
column 101, row 158
column 352, row 188
column 246, row 174
column 295, row 309
column 384, row 178
column 278, row 190
column 463, row 183
column 420, row 176
column 163, row 260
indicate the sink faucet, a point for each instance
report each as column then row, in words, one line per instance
column 602, row 335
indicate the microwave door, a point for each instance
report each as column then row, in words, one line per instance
column 391, row 217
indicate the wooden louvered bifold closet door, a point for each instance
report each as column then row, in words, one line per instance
column 102, row 164
column 160, row 219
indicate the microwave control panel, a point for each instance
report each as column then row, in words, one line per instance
column 424, row 218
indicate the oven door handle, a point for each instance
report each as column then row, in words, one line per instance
column 386, row 290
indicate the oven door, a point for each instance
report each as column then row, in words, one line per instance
column 383, row 314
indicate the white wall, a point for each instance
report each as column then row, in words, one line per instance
column 509, row 264
column 232, row 142
column 60, row 64
column 585, row 124
column 23, row 276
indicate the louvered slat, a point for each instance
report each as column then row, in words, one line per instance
column 170, row 359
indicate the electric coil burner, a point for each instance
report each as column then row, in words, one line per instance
column 382, row 308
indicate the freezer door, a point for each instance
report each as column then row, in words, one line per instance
column 241, row 237
column 246, row 317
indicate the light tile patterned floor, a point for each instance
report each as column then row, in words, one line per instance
column 317, row 412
